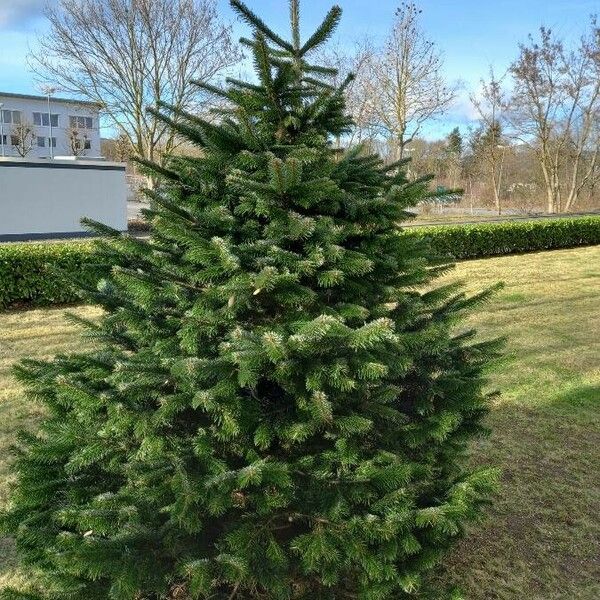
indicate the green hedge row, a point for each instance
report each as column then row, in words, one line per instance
column 511, row 237
column 30, row 272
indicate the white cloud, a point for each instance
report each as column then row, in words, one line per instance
column 463, row 108
column 17, row 15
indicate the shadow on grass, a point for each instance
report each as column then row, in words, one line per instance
column 541, row 538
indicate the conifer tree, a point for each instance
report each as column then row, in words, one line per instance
column 277, row 401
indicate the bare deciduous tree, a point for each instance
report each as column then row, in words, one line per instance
column 131, row 54
column 584, row 91
column 22, row 137
column 355, row 61
column 555, row 109
column 406, row 88
column 77, row 141
column 117, row 149
column 488, row 145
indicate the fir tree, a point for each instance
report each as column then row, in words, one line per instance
column 276, row 405
column 487, row 138
column 454, row 142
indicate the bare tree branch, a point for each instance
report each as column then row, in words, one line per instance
column 130, row 54
column 22, row 138
column 488, row 143
column 555, row 109
column 406, row 87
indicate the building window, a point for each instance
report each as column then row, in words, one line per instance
column 42, row 119
column 14, row 140
column 41, row 141
column 81, row 122
column 52, row 142
column 87, row 144
column 3, row 140
column 11, row 117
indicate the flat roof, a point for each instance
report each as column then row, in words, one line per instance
column 53, row 98
column 64, row 163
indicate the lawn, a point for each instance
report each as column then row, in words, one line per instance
column 541, row 539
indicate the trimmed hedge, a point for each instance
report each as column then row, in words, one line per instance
column 511, row 237
column 30, row 272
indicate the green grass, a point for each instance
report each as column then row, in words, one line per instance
column 541, row 538
column 34, row 334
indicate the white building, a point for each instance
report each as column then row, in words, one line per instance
column 42, row 128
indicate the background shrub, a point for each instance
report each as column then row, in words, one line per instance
column 38, row 273
column 31, row 272
column 493, row 239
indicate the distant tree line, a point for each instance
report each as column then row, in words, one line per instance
column 533, row 146
column 535, row 141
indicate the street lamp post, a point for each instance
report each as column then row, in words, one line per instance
column 48, row 90
column 50, row 124
column 2, row 127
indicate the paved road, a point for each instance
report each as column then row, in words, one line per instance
column 133, row 210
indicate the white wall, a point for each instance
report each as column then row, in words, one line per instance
column 46, row 197
column 27, row 105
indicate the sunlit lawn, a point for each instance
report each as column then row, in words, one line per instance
column 541, row 540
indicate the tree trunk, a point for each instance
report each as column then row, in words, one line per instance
column 497, row 199
column 550, row 199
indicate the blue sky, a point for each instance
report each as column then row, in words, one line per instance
column 471, row 33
